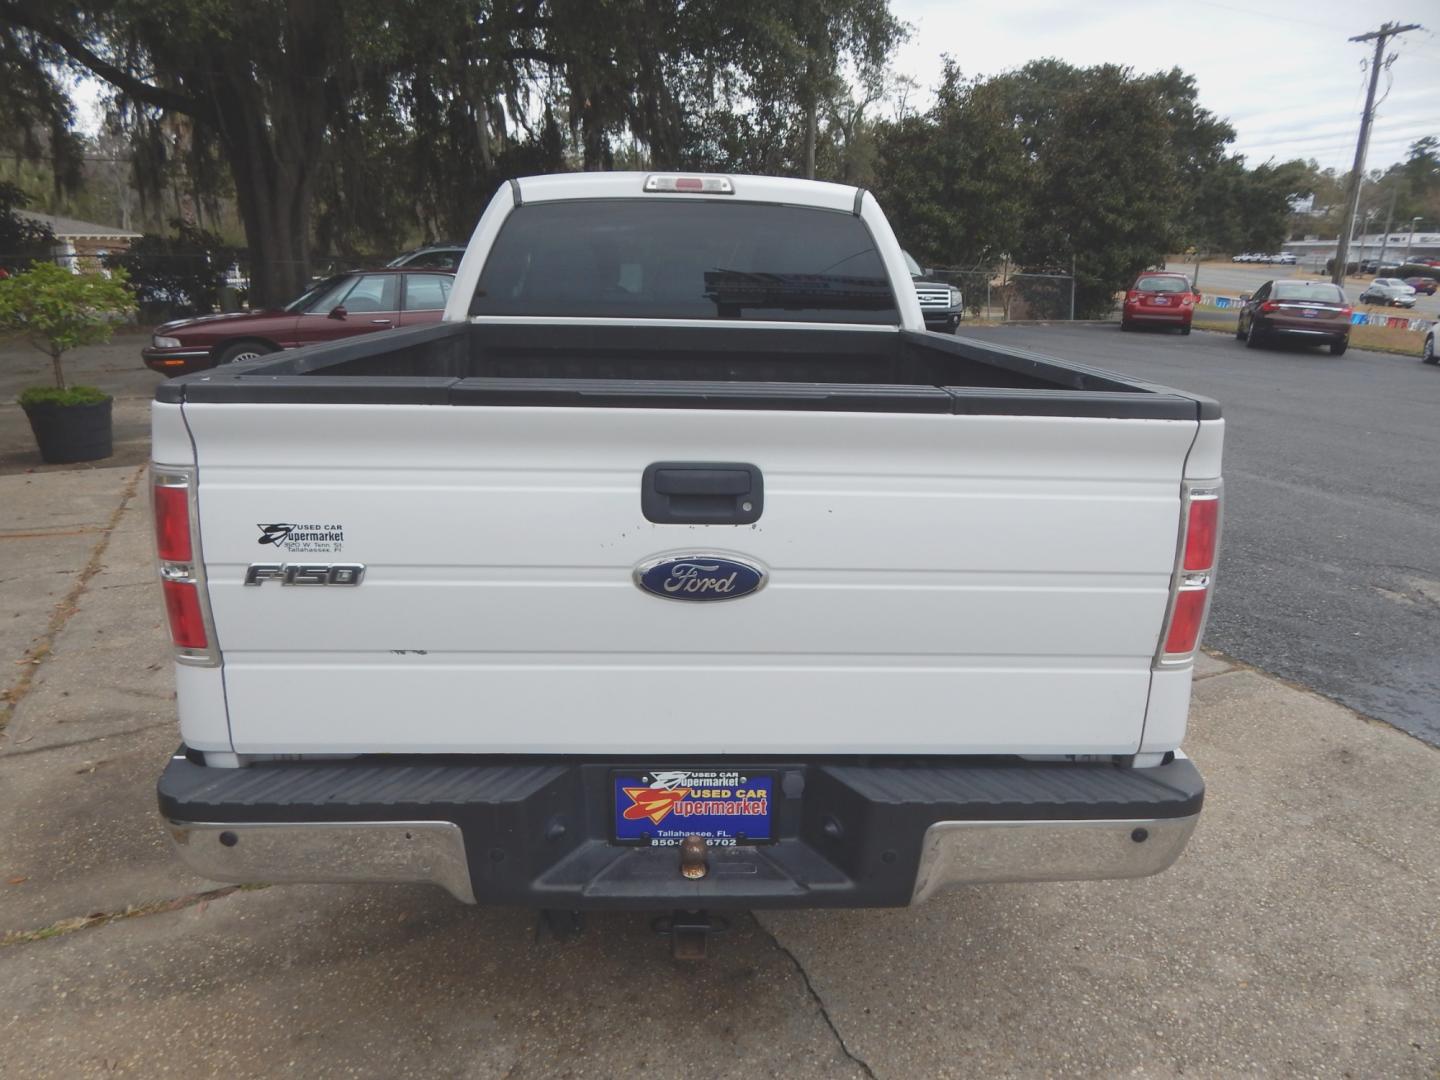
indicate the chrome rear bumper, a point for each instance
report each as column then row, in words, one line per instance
column 989, row 852
column 433, row 852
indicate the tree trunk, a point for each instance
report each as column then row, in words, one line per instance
column 59, row 371
column 482, row 134
column 272, row 166
column 810, row 110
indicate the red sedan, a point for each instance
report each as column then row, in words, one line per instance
column 1159, row 299
column 358, row 302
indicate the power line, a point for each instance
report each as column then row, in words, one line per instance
column 1362, row 144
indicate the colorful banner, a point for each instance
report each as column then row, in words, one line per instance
column 1418, row 324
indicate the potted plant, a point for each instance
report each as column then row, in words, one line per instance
column 59, row 310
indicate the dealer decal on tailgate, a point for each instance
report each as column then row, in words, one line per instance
column 664, row 807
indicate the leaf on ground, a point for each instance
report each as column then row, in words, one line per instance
column 17, row 880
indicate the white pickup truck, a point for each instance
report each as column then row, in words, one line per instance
column 680, row 568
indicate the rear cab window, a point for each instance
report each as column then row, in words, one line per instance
column 1319, row 292
column 1162, row 283
column 656, row 259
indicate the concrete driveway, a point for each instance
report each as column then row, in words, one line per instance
column 1298, row 936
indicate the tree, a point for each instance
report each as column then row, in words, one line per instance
column 21, row 239
column 180, row 270
column 1057, row 166
column 60, row 311
column 952, row 181
column 37, row 118
column 355, row 119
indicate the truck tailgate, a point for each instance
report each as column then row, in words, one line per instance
column 950, row 584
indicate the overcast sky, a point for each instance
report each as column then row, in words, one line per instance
column 1282, row 71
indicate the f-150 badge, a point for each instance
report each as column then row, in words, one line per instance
column 699, row 576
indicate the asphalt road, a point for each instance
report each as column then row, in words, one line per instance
column 1330, row 571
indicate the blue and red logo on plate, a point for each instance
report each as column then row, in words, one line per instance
column 665, row 806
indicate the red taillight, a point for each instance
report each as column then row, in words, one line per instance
column 1269, row 305
column 1347, row 311
column 1185, row 620
column 689, row 183
column 172, row 523
column 187, row 619
column 1194, row 572
column 1200, row 533
column 182, row 577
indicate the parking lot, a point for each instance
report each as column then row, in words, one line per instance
column 1298, row 935
column 1231, row 279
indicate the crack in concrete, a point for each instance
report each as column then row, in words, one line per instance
column 1215, row 674
column 8, row 754
column 65, row 609
column 135, row 911
column 860, row 1062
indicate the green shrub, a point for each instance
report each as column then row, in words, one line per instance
column 59, row 310
column 177, row 274
column 21, row 240
column 70, row 395
column 1414, row 270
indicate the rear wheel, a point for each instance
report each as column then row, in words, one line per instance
column 241, row 350
column 1337, row 348
column 1239, row 330
column 1253, row 340
column 1184, row 329
column 1125, row 325
column 1427, row 351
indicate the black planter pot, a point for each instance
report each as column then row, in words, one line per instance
column 70, row 433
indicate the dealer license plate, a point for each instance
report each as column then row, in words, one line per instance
column 663, row 806
column 1162, row 300
column 1310, row 312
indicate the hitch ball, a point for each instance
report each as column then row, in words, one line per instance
column 694, row 862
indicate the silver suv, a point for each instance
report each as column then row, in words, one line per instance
column 1389, row 291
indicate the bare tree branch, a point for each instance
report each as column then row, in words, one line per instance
column 158, row 96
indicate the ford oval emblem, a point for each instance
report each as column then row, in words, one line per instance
column 701, row 577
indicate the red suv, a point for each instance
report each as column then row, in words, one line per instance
column 358, row 302
column 1159, row 298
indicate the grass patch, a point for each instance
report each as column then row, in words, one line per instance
column 1389, row 339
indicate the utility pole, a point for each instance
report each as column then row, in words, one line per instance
column 1362, row 144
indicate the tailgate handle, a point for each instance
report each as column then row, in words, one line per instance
column 702, row 493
